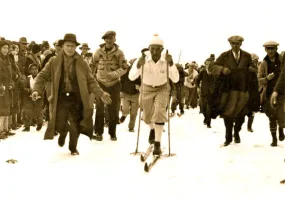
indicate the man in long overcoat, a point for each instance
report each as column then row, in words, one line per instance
column 73, row 90
column 233, row 67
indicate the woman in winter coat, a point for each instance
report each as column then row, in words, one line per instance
column 5, row 87
column 15, row 100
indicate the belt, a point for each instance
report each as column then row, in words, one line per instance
column 155, row 86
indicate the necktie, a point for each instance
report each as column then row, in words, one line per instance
column 237, row 57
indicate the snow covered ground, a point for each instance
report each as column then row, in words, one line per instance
column 200, row 169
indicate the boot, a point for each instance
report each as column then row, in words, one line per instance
column 113, row 137
column 236, row 135
column 274, row 139
column 151, row 136
column 281, row 134
column 61, row 140
column 249, row 123
column 157, row 149
column 249, row 129
column 9, row 133
column 98, row 137
column 75, row 152
column 2, row 136
column 122, row 119
column 226, row 143
column 26, row 129
column 39, row 127
column 208, row 122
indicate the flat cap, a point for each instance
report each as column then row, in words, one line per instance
column 271, row 44
column 109, row 33
column 236, row 38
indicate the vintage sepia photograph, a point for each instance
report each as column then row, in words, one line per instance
column 149, row 99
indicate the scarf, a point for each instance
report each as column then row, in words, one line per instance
column 68, row 69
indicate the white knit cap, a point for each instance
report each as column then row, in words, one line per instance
column 156, row 40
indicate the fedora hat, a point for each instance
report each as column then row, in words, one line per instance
column 68, row 37
column 84, row 45
column 45, row 44
column 23, row 40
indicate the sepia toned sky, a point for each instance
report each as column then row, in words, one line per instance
column 197, row 28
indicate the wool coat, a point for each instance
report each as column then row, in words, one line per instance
column 236, row 93
column 5, row 80
column 262, row 80
column 88, row 89
column 15, row 95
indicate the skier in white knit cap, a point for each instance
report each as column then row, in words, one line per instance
column 154, row 89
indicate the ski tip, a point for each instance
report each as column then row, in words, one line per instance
column 146, row 168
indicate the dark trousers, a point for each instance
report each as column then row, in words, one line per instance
column 69, row 112
column 46, row 106
column 180, row 99
column 233, row 123
column 205, row 109
column 113, row 110
column 32, row 112
column 20, row 114
column 250, row 120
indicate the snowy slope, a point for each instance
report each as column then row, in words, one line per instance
column 201, row 169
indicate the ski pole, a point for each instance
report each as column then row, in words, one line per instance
column 168, row 121
column 141, row 96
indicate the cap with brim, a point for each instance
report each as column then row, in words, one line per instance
column 271, row 44
column 84, row 45
column 23, row 40
column 68, row 37
column 109, row 33
column 236, row 38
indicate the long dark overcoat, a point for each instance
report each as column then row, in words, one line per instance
column 88, row 88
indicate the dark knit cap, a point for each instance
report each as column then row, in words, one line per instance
column 36, row 48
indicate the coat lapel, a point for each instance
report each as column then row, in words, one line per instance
column 231, row 62
column 56, row 69
column 86, row 124
column 242, row 60
column 57, row 73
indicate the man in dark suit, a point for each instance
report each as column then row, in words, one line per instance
column 233, row 67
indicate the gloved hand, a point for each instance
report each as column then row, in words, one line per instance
column 273, row 99
column 226, row 71
column 270, row 76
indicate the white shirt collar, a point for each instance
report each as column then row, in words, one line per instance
column 235, row 53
